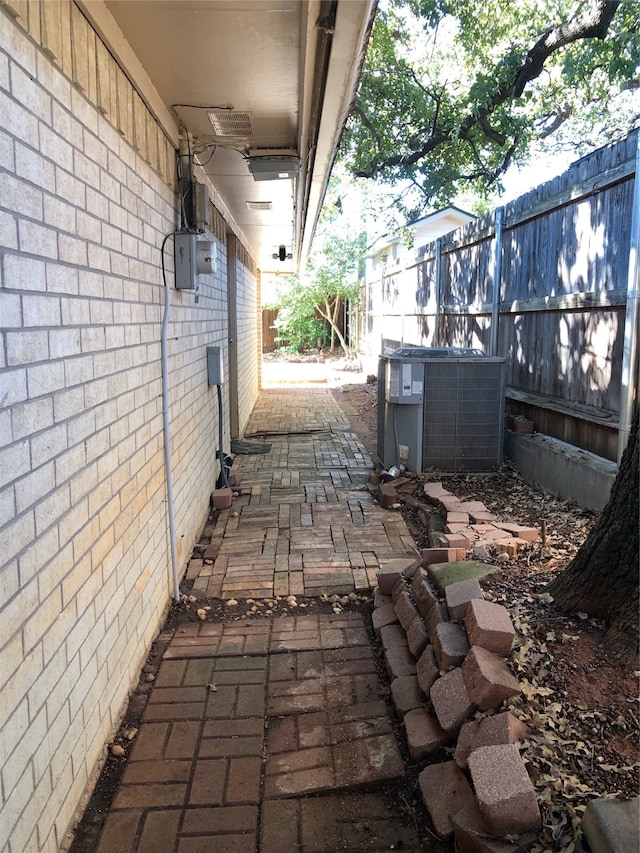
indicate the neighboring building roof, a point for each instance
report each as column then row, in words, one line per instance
column 426, row 229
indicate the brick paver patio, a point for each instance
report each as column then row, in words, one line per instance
column 272, row 735
column 304, row 521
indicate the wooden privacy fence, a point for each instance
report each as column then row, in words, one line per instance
column 550, row 282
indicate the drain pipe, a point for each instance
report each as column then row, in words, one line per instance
column 223, row 468
column 630, row 348
column 164, row 354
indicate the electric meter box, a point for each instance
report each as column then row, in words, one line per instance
column 185, row 260
column 215, row 366
column 193, row 257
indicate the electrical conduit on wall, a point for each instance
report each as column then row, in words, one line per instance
column 164, row 358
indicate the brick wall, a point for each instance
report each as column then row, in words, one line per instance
column 248, row 307
column 85, row 573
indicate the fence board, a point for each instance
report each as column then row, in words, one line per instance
column 562, row 296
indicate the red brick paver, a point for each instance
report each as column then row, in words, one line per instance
column 235, row 737
column 260, row 735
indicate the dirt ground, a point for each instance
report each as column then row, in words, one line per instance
column 581, row 706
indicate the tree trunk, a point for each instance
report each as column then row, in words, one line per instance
column 332, row 319
column 602, row 579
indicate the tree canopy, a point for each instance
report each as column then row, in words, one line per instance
column 454, row 91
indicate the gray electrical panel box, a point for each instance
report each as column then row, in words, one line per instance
column 215, row 367
column 201, row 207
column 185, row 260
column 404, row 383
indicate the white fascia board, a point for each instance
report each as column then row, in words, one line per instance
column 352, row 26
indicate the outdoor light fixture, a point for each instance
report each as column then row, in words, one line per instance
column 273, row 165
column 282, row 254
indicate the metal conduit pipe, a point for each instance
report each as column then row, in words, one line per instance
column 629, row 389
column 164, row 359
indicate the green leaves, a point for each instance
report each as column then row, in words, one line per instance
column 453, row 91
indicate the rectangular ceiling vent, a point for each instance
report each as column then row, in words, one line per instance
column 231, row 123
column 260, row 205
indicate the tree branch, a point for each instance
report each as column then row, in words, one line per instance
column 594, row 22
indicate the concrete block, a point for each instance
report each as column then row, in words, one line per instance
column 436, row 616
column 427, row 670
column 511, row 546
column 489, row 625
column 472, row 507
column 392, row 636
column 424, row 734
column 443, row 574
column 405, row 610
column 386, row 495
column 451, row 701
column 387, row 577
column 434, row 491
column 458, row 517
column 612, row 826
column 417, row 637
column 399, row 661
column 456, row 540
column 488, row 679
column 441, row 555
column 423, row 595
column 406, row 694
column 449, row 503
column 450, row 644
column 488, row 731
column 380, row 598
column 459, row 594
column 561, row 469
column 221, row 498
column 412, row 568
column 505, row 793
column 385, row 615
column 529, row 534
column 399, row 588
column 445, row 791
column 472, row 835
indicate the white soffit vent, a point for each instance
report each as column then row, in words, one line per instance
column 231, row 123
column 260, row 205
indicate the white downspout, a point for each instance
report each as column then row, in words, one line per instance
column 164, row 357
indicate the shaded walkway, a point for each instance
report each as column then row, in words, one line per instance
column 305, row 522
column 272, row 735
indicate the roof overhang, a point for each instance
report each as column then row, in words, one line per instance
column 261, row 90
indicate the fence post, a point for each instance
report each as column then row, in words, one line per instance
column 436, row 329
column 630, row 347
column 497, row 275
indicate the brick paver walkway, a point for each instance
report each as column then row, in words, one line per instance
column 305, row 522
column 272, row 735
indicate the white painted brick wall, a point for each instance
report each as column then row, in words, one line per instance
column 84, row 564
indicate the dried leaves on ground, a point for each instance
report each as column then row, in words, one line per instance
column 581, row 706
